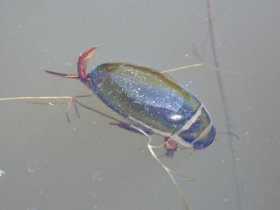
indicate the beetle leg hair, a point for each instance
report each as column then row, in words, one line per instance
column 72, row 103
column 168, row 170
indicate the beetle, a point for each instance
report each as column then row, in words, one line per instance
column 149, row 101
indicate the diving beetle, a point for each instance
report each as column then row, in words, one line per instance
column 150, row 102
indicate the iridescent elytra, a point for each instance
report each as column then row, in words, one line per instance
column 149, row 101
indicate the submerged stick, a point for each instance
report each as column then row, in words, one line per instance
column 41, row 98
column 224, row 102
column 35, row 97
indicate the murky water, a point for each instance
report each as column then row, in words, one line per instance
column 48, row 163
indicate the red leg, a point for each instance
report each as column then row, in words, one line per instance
column 82, row 63
column 70, row 76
